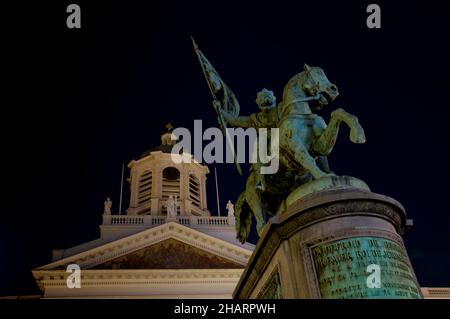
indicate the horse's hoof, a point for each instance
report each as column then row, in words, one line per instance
column 358, row 139
column 357, row 136
column 325, row 175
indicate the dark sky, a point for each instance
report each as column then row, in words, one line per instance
column 85, row 101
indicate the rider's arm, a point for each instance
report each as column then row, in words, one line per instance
column 240, row 121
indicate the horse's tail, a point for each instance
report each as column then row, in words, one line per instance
column 243, row 216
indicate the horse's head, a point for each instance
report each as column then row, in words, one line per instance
column 316, row 83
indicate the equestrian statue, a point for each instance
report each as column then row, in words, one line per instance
column 304, row 139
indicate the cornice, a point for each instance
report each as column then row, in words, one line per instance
column 133, row 277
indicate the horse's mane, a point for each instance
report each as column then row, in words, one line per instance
column 291, row 85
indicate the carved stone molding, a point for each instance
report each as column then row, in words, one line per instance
column 104, row 253
column 318, row 208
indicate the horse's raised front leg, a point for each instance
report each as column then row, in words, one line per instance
column 356, row 130
column 325, row 143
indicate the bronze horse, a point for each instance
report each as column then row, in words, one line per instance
column 304, row 141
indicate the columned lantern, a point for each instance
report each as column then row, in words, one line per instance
column 155, row 176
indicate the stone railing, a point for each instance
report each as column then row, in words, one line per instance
column 154, row 220
column 124, row 220
column 213, row 220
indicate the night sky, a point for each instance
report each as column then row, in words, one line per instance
column 84, row 101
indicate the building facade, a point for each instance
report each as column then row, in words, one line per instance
column 167, row 245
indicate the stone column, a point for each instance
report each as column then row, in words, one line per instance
column 341, row 242
column 184, row 188
column 134, row 186
column 187, row 207
column 156, row 190
column 203, row 198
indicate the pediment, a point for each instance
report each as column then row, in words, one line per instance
column 169, row 254
column 168, row 246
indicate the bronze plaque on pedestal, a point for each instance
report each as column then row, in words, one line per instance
column 364, row 267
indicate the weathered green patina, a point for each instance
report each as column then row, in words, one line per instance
column 341, row 269
column 304, row 138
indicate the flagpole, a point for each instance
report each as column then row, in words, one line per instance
column 121, row 191
column 219, row 115
column 217, row 192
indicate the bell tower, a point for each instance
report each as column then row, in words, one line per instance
column 154, row 176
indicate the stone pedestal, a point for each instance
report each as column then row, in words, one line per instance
column 333, row 243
